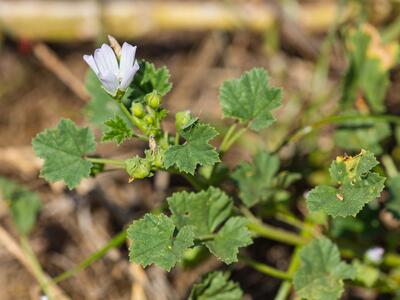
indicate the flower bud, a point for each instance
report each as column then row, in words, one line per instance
column 137, row 109
column 183, row 119
column 149, row 120
column 153, row 99
column 137, row 168
column 115, row 45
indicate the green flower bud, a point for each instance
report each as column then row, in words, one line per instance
column 153, row 99
column 137, row 168
column 184, row 119
column 137, row 109
column 149, row 120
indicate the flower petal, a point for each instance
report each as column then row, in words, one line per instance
column 127, row 58
column 106, row 60
column 92, row 64
column 110, row 82
column 128, row 76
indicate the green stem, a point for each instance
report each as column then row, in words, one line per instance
column 302, row 132
column 126, row 112
column 177, row 137
column 36, row 267
column 227, row 137
column 193, row 181
column 276, row 234
column 116, row 241
column 114, row 162
column 271, row 232
column 265, row 269
column 286, row 286
column 232, row 140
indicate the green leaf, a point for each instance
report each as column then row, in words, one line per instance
column 118, row 130
column 195, row 151
column 233, row 235
column 255, row 179
column 216, row 286
column 393, row 204
column 24, row 204
column 149, row 79
column 321, row 273
column 62, row 149
column 101, row 106
column 206, row 213
column 356, row 135
column 357, row 186
column 154, row 241
column 250, row 99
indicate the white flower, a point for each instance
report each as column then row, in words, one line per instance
column 104, row 64
column 375, row 254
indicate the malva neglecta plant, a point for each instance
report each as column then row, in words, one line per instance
column 224, row 210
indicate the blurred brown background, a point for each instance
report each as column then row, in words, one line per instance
column 202, row 43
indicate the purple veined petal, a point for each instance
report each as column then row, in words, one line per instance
column 128, row 76
column 89, row 59
column 128, row 53
column 110, row 82
column 106, row 60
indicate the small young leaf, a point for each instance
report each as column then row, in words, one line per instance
column 149, row 79
column 24, row 204
column 250, row 99
column 321, row 273
column 118, row 130
column 62, row 149
column 255, row 179
column 233, row 235
column 153, row 241
column 216, row 286
column 206, row 212
column 195, row 151
column 357, row 186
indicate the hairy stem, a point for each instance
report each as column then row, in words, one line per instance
column 265, row 269
column 271, row 232
column 119, row 163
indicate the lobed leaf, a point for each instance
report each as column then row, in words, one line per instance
column 321, row 272
column 62, row 149
column 154, row 241
column 256, row 179
column 232, row 236
column 216, row 286
column 117, row 131
column 24, row 205
column 250, row 99
column 195, row 151
column 209, row 214
column 357, row 186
